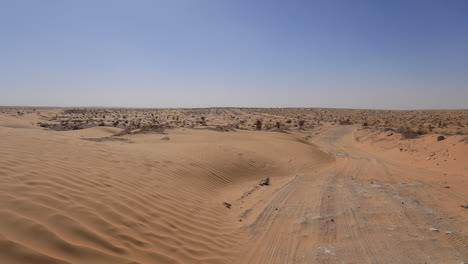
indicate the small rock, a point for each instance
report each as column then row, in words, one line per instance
column 449, row 233
column 433, row 229
column 446, row 187
column 440, row 138
column 227, row 204
column 464, row 206
column 265, row 181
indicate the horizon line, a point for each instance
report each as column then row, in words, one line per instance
column 237, row 107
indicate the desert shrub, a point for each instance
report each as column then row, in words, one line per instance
column 345, row 122
column 430, row 127
column 407, row 133
column 420, row 132
column 258, row 125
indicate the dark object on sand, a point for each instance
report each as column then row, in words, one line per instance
column 265, row 181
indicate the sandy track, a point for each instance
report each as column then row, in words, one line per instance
column 361, row 209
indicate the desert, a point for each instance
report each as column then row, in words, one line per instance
column 234, row 132
column 116, row 185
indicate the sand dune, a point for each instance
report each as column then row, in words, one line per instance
column 158, row 198
column 65, row 200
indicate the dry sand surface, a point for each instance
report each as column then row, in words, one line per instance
column 182, row 186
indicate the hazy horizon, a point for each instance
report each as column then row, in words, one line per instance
column 392, row 55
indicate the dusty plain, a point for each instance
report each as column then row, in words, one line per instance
column 102, row 185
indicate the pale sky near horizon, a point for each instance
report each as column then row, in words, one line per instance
column 401, row 54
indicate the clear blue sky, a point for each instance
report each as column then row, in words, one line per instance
column 195, row 53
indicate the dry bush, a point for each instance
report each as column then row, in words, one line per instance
column 258, row 124
column 345, row 122
column 408, row 133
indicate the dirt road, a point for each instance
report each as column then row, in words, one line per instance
column 360, row 208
